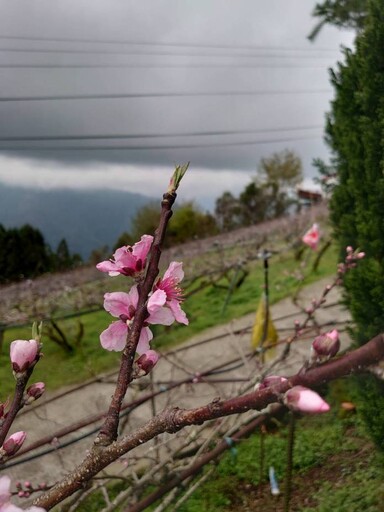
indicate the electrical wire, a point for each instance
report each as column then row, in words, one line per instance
column 156, row 66
column 157, row 53
column 155, row 147
column 174, row 94
column 158, row 43
column 35, row 138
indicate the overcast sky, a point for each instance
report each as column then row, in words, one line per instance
column 227, row 81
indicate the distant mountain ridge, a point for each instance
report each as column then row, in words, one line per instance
column 86, row 219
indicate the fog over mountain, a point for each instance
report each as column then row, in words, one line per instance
column 86, row 219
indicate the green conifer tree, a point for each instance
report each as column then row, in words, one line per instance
column 356, row 135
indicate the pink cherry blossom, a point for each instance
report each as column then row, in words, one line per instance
column 170, row 285
column 128, row 260
column 312, row 237
column 5, row 484
column 5, row 495
column 23, row 354
column 303, row 399
column 123, row 306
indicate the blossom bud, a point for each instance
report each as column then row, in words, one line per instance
column 360, row 255
column 146, row 362
column 23, row 354
column 13, row 443
column 303, row 399
column 34, row 392
column 326, row 345
column 271, row 381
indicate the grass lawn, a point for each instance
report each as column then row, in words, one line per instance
column 58, row 368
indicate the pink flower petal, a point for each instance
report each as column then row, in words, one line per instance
column 156, row 301
column 162, row 316
column 119, row 303
column 174, row 271
column 5, row 485
column 124, row 258
column 145, row 337
column 107, row 266
column 141, row 249
column 178, row 313
column 115, row 336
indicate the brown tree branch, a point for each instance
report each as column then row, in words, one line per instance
column 17, row 403
column 172, row 420
column 108, row 432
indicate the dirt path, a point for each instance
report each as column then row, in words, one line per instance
column 193, row 358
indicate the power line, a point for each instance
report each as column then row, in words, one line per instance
column 159, row 43
column 156, row 95
column 154, row 147
column 157, row 53
column 35, row 138
column 157, row 65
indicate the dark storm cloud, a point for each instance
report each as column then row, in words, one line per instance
column 245, row 23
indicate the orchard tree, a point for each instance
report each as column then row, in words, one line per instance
column 355, row 134
column 228, row 212
column 188, row 222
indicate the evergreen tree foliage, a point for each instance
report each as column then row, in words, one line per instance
column 356, row 135
column 24, row 253
column 341, row 13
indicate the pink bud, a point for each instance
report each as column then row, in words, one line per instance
column 34, row 392
column 349, row 249
column 360, row 255
column 303, row 399
column 271, row 381
column 14, row 443
column 23, row 354
column 326, row 345
column 147, row 361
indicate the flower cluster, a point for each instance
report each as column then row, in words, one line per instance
column 351, row 259
column 163, row 304
column 5, row 496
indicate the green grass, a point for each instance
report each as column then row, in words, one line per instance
column 204, row 310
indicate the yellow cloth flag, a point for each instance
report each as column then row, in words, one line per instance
column 258, row 330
